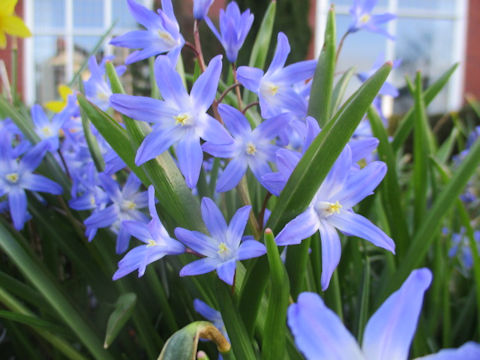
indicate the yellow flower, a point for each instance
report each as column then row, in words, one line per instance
column 57, row 106
column 9, row 23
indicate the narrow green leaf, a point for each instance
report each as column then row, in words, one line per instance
column 444, row 152
column 117, row 319
column 425, row 235
column 36, row 275
column 241, row 342
column 420, row 153
column 296, row 264
column 406, row 124
column 274, row 334
column 322, row 86
column 363, row 304
column 340, row 89
column 390, row 188
column 31, row 321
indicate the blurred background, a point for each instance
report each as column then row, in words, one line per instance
column 430, row 35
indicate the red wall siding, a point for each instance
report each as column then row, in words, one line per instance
column 6, row 56
column 472, row 68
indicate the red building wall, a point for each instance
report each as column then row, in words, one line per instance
column 472, row 68
column 6, row 54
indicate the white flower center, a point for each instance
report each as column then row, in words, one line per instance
column 325, row 209
column 165, row 36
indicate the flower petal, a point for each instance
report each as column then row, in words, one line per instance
column 213, row 219
column 169, row 81
column 17, row 202
column 390, row 330
column 226, row 271
column 190, row 157
column 318, row 332
column 300, row 228
column 250, row 77
column 205, row 88
column 199, row 267
column 40, row 183
column 197, row 241
column 468, row 351
column 232, row 175
column 281, row 53
column 155, row 144
column 250, row 249
column 142, row 108
column 357, row 225
column 331, row 251
column 234, row 120
column 237, row 224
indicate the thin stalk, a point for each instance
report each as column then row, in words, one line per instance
column 245, row 196
column 198, row 46
column 237, row 90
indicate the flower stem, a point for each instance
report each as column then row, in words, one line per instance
column 198, row 46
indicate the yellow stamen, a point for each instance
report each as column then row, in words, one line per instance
column 365, row 18
column 222, row 248
column 47, row 131
column 12, row 177
column 273, row 89
column 334, row 208
column 151, row 243
column 182, row 119
column 165, row 36
column 129, row 205
column 102, row 96
column 251, row 149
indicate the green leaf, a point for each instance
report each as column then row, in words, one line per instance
column 340, row 89
column 420, row 154
column 117, row 319
column 49, row 290
column 406, row 124
column 430, row 225
column 322, row 86
column 274, row 335
column 183, row 344
column 32, row 321
column 390, row 188
column 241, row 341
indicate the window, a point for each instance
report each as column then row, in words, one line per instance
column 65, row 33
column 430, row 36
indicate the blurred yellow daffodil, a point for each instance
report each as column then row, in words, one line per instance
column 57, row 106
column 9, row 23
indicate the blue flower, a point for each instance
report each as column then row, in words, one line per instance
column 224, row 247
column 234, row 27
column 46, row 129
column 249, row 149
column 97, row 89
column 200, row 8
column 319, row 333
column 16, row 176
column 125, row 206
column 275, row 88
column 331, row 209
column 461, row 247
column 162, row 33
column 180, row 119
column 363, row 18
column 157, row 242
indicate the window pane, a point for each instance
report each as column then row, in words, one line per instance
column 49, row 57
column 437, row 5
column 380, row 3
column 48, row 14
column 83, row 46
column 122, row 15
column 426, row 45
column 87, row 13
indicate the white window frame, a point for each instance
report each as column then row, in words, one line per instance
column 459, row 18
column 68, row 33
